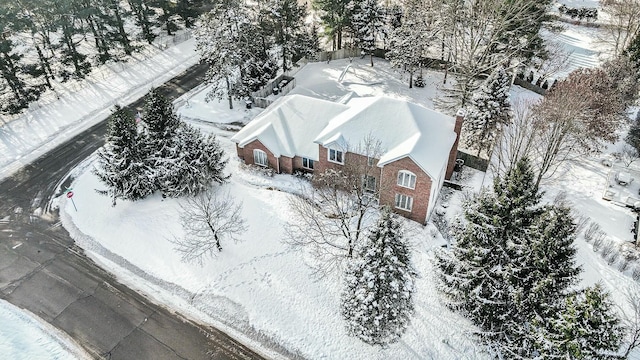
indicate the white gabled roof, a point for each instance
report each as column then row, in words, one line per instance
column 403, row 128
column 290, row 125
column 297, row 123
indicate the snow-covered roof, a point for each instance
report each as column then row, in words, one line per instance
column 289, row 126
column 297, row 123
column 403, row 128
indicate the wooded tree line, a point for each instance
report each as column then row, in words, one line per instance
column 56, row 40
column 246, row 44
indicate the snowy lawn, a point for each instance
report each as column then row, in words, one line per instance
column 23, row 336
column 260, row 285
column 216, row 111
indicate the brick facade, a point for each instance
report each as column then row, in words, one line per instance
column 386, row 177
column 248, row 154
column 454, row 150
column 421, row 194
column 286, row 165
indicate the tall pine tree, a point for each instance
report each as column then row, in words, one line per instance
column 368, row 22
column 584, row 327
column 377, row 302
column 286, row 23
column 488, row 110
column 121, row 162
column 221, row 43
column 160, row 138
column 513, row 259
column 200, row 162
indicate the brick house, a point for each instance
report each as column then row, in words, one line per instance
column 418, row 145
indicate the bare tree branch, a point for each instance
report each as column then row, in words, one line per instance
column 208, row 219
column 331, row 220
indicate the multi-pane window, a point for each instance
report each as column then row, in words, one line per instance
column 307, row 163
column 260, row 157
column 336, row 156
column 369, row 183
column 404, row 202
column 370, row 161
column 407, row 179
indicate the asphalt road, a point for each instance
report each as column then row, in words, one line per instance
column 43, row 271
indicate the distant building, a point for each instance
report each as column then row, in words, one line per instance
column 300, row 133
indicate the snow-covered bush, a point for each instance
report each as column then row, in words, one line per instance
column 419, row 82
column 635, row 274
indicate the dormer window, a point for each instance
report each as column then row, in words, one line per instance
column 407, row 179
column 336, row 156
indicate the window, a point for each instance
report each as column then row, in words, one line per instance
column 370, row 161
column 369, row 183
column 404, row 202
column 336, row 156
column 307, row 163
column 407, row 179
column 260, row 157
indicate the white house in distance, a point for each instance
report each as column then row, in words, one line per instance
column 301, row 133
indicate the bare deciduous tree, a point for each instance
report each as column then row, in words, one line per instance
column 517, row 140
column 628, row 155
column 632, row 324
column 577, row 117
column 480, row 35
column 624, row 24
column 330, row 220
column 208, row 219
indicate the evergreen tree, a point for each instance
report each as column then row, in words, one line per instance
column 35, row 24
column 200, row 162
column 187, row 11
column 488, row 110
column 633, row 136
column 377, row 301
column 143, row 14
column 633, row 51
column 513, row 260
column 67, row 21
column 92, row 14
column 17, row 79
column 585, row 327
column 258, row 65
column 167, row 17
column 121, row 162
column 336, row 16
column 525, row 29
column 160, row 139
column 181, row 159
column 286, row 23
column 308, row 43
column 221, row 44
column 368, row 21
column 115, row 16
column 409, row 42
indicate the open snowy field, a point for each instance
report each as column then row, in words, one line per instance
column 261, row 290
column 25, row 337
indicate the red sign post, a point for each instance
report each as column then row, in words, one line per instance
column 70, row 196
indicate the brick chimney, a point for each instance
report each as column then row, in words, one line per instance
column 454, row 149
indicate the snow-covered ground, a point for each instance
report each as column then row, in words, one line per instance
column 259, row 290
column 41, row 129
column 24, row 336
column 262, row 286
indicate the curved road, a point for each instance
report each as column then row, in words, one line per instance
column 43, row 271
